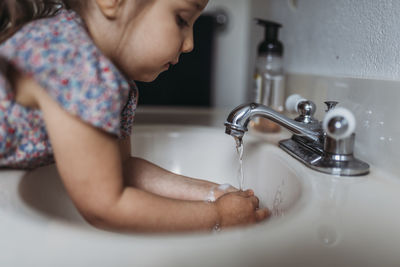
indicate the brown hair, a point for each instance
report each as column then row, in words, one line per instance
column 16, row 13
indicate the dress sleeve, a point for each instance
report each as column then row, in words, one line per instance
column 89, row 89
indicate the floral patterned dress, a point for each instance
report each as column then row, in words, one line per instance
column 59, row 54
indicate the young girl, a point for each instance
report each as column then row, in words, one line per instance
column 65, row 96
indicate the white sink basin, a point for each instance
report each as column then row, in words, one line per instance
column 199, row 152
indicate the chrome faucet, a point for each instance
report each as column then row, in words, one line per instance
column 323, row 146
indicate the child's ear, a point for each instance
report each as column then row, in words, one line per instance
column 109, row 8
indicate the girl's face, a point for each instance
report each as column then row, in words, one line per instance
column 153, row 39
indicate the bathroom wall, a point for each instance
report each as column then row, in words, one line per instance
column 341, row 37
column 323, row 37
column 348, row 51
column 231, row 54
column 236, row 51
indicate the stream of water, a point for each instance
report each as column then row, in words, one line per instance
column 240, row 175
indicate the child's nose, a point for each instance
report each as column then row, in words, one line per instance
column 188, row 43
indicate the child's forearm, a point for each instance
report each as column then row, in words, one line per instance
column 144, row 175
column 138, row 210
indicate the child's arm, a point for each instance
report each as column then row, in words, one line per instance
column 91, row 167
column 145, row 175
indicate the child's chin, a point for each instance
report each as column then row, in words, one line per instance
column 148, row 78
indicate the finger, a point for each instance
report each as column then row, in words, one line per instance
column 247, row 193
column 262, row 214
column 255, row 201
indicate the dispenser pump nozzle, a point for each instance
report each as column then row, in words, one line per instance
column 271, row 44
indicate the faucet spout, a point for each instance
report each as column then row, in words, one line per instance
column 239, row 118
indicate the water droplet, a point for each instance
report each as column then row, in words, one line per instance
column 382, row 138
column 328, row 235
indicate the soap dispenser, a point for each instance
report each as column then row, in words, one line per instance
column 269, row 79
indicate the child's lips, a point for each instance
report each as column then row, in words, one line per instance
column 167, row 66
column 170, row 64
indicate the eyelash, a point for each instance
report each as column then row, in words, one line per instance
column 181, row 22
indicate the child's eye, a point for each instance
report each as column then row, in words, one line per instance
column 181, row 22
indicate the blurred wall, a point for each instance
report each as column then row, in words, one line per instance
column 340, row 37
column 230, row 74
column 236, row 49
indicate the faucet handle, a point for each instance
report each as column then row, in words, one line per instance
column 339, row 123
column 330, row 105
column 293, row 101
column 305, row 108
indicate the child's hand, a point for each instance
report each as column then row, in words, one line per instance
column 218, row 191
column 240, row 208
column 224, row 189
